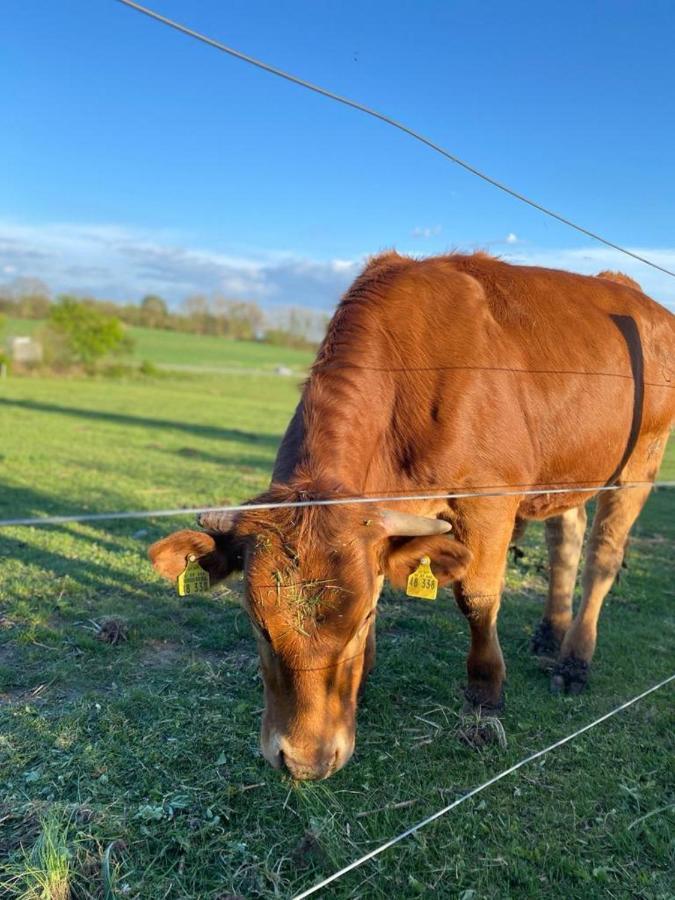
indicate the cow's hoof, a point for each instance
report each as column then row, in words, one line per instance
column 478, row 730
column 545, row 642
column 570, row 676
column 476, row 704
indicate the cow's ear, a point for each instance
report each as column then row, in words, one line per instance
column 449, row 558
column 218, row 554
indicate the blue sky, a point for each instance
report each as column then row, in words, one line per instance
column 134, row 159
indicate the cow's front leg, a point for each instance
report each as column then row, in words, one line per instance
column 485, row 527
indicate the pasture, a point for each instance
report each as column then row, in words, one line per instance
column 193, row 352
column 147, row 747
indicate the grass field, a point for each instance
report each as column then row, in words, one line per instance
column 138, row 761
column 172, row 349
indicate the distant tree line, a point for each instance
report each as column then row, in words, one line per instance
column 30, row 298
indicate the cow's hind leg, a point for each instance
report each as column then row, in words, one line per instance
column 615, row 514
column 564, row 539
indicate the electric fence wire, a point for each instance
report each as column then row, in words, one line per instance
column 388, row 120
column 477, row 790
column 36, row 521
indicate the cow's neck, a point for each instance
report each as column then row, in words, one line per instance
column 341, row 434
column 354, row 425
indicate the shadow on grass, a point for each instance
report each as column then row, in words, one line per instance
column 234, row 459
column 199, row 430
column 19, row 543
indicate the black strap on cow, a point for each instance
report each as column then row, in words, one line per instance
column 629, row 331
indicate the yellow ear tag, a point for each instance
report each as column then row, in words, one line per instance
column 193, row 579
column 422, row 582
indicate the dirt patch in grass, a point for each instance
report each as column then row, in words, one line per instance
column 241, row 659
column 307, row 851
column 157, row 654
column 160, row 654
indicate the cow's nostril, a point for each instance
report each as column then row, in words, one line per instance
column 303, row 771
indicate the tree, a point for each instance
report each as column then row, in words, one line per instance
column 27, row 298
column 196, row 308
column 154, row 311
column 3, row 355
column 244, row 319
column 80, row 333
column 296, row 327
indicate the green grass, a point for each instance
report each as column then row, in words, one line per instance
column 171, row 348
column 45, row 871
column 146, row 751
column 194, row 351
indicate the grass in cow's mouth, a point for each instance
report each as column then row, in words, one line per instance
column 147, row 749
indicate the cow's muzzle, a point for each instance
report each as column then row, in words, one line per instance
column 305, row 763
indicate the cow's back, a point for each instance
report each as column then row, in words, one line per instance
column 471, row 371
column 596, row 333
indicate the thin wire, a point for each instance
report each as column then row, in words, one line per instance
column 301, row 504
column 627, row 376
column 477, row 790
column 354, row 104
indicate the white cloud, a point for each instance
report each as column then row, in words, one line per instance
column 123, row 263
column 426, row 232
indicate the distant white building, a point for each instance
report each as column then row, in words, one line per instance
column 25, row 350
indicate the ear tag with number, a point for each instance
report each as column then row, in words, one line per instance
column 422, row 582
column 193, row 579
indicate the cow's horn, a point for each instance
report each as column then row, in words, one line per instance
column 400, row 524
column 219, row 522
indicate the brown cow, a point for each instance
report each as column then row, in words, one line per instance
column 456, row 373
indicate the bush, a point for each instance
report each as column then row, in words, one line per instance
column 4, row 357
column 77, row 333
column 149, row 368
column 279, row 337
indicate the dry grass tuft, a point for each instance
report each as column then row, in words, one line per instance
column 478, row 731
column 112, row 631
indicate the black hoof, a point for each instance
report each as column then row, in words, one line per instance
column 544, row 640
column 477, row 705
column 570, row 676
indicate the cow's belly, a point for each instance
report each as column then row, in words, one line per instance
column 542, row 506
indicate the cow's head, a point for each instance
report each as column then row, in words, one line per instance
column 312, row 580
